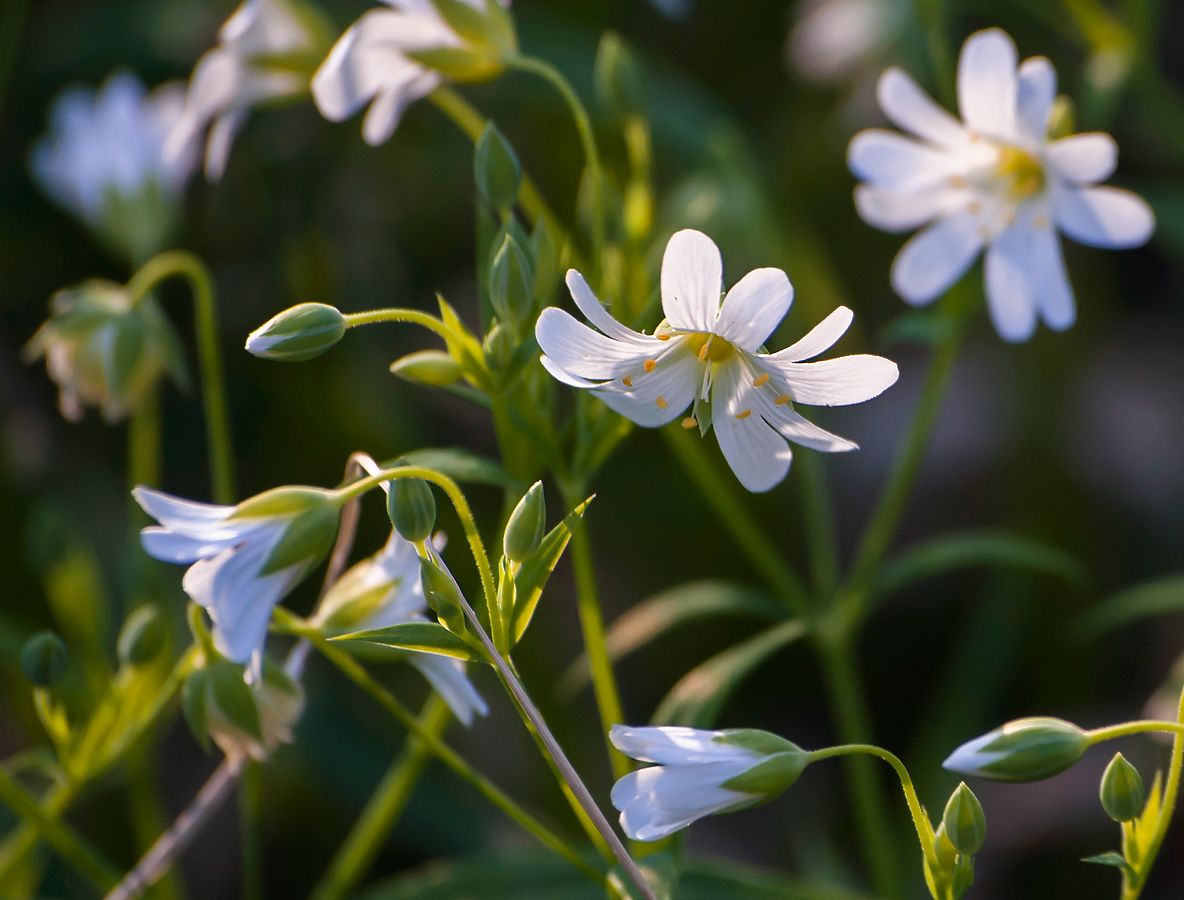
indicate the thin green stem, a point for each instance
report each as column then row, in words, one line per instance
column 819, row 520
column 583, row 123
column 1125, row 729
column 45, row 822
column 411, row 316
column 1170, row 793
column 250, row 805
column 383, row 809
column 182, row 264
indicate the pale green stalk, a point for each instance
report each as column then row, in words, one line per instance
column 410, row 316
column 1166, row 810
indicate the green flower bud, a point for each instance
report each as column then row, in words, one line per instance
column 524, row 530
column 142, row 636
column 496, row 168
column 304, row 331
column 499, row 346
column 412, row 508
column 43, row 659
column 511, row 283
column 618, row 81
column 964, row 821
column 1023, row 750
column 434, row 368
column 443, row 594
column 1122, row 791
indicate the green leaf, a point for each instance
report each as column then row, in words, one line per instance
column 1148, row 822
column 1160, row 597
column 461, row 465
column 1117, row 860
column 995, row 549
column 421, row 637
column 671, row 609
column 700, row 695
column 537, row 568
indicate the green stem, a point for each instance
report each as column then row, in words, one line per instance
column 44, row 822
column 182, row 264
column 1125, row 729
column 818, row 516
column 1170, row 793
column 412, row 316
column 579, row 114
column 250, row 804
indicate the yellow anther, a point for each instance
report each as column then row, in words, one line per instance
column 1021, row 171
column 661, row 401
column 710, row 347
column 703, row 351
column 689, row 423
column 974, row 207
column 627, row 381
column 761, row 380
column 957, row 181
column 744, row 414
column 662, row 337
column 648, row 365
column 782, row 400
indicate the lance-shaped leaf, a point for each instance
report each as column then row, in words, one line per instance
column 1117, row 860
column 671, row 609
column 700, row 695
column 461, row 343
column 537, row 568
column 1160, row 597
column 460, row 465
column 420, row 637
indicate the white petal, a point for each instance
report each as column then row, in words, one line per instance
column 221, row 136
column 173, row 547
column 177, row 512
column 912, row 109
column 676, row 744
column 890, row 160
column 1084, row 158
column 674, row 380
column 386, row 111
column 792, row 426
column 988, row 84
column 658, row 801
column 1025, row 276
column 835, row 382
column 936, row 258
column 692, row 281
column 589, row 304
column 448, row 678
column 820, row 338
column 588, row 354
column 1037, row 91
column 756, row 453
column 754, row 306
column 1103, row 216
column 904, row 210
column 557, row 372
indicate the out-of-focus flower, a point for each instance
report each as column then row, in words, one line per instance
column 244, row 558
column 103, row 350
column 393, row 56
column 266, row 52
column 672, row 9
column 710, row 355
column 833, row 38
column 993, row 180
column 387, row 589
column 698, row 773
column 247, row 714
column 104, row 160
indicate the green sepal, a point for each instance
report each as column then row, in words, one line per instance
column 443, row 595
column 420, row 637
column 1121, row 790
column 511, row 282
column 524, row 529
column 489, row 26
column 763, row 742
column 229, row 694
column 964, row 820
column 506, row 591
column 496, row 168
column 194, row 708
column 537, row 568
column 306, row 538
column 772, row 775
column 459, row 64
column 299, row 333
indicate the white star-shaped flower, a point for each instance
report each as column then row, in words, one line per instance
column 992, row 181
column 709, row 355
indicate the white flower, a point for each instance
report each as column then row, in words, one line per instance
column 245, row 558
column 709, row 355
column 104, row 153
column 373, row 64
column 387, row 589
column 264, row 53
column 993, row 181
column 832, row 38
column 697, row 773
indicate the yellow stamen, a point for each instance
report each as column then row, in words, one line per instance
column 703, row 351
column 782, row 400
column 689, row 423
column 663, row 337
column 627, row 381
column 761, row 380
column 1020, row 171
column 710, row 347
column 661, row 401
column 744, row 414
column 648, row 365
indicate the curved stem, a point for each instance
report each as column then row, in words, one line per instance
column 412, row 316
column 1143, row 726
column 182, row 264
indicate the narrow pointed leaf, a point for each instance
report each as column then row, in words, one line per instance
column 537, row 568
column 420, row 637
column 462, row 465
column 1111, row 859
column 1161, row 597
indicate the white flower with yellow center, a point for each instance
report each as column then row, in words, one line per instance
column 708, row 355
column 992, row 181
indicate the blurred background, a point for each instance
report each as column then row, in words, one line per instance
column 1073, row 438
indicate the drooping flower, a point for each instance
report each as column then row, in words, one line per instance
column 698, row 773
column 104, row 350
column 245, row 558
column 393, row 56
column 709, row 355
column 995, row 182
column 104, row 160
column 387, row 589
column 266, row 52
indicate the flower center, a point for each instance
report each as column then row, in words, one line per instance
column 710, row 347
column 1020, row 171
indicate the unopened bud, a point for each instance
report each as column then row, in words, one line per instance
column 43, row 659
column 412, row 508
column 142, row 636
column 1122, row 791
column 1023, row 750
column 496, row 168
column 964, row 820
column 524, row 530
column 618, row 82
column 443, row 594
column 431, row 367
column 304, row 331
column 511, row 282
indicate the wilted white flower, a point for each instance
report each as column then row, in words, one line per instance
column 245, row 558
column 104, row 160
column 698, row 773
column 393, row 56
column 266, row 52
column 709, row 354
column 993, row 180
column 387, row 589
column 240, row 732
column 833, row 38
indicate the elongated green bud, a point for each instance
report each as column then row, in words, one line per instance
column 511, row 282
column 434, row 368
column 1023, row 750
column 1122, row 791
column 302, row 332
column 618, row 82
column 443, row 595
column 965, row 822
column 524, row 530
column 412, row 508
column 142, row 636
column 496, row 168
column 43, row 659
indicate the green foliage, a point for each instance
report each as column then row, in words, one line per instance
column 536, row 569
column 423, row 637
column 1160, row 597
column 43, row 659
column 496, row 169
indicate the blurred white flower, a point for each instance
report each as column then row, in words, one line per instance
column 710, row 355
column 387, row 589
column 672, row 9
column 266, row 51
column 833, row 38
column 697, row 773
column 393, row 56
column 104, row 160
column 993, row 180
column 245, row 558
